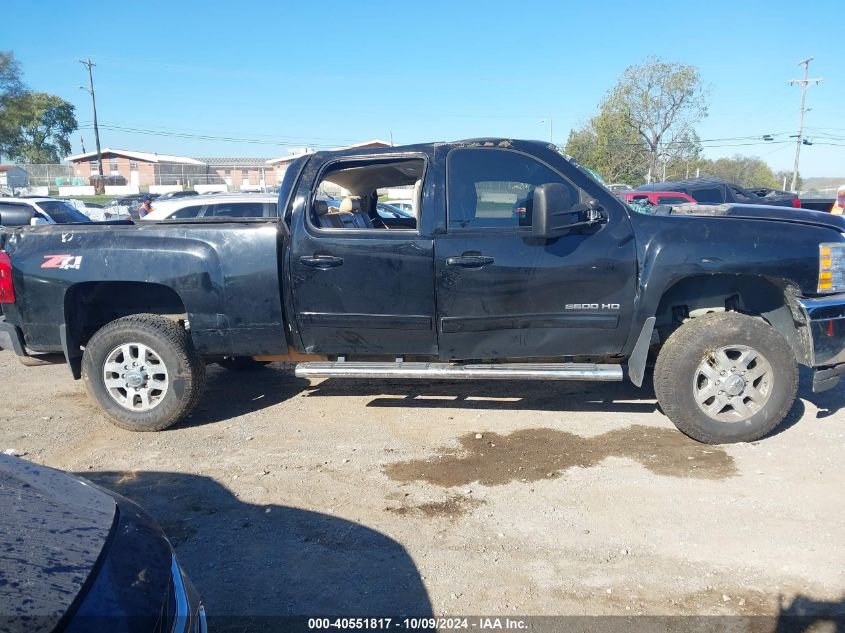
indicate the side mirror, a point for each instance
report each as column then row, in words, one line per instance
column 16, row 217
column 36, row 221
column 552, row 210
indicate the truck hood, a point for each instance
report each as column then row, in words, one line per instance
column 763, row 212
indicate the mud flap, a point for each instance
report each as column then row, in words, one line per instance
column 638, row 358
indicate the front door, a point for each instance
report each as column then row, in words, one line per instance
column 504, row 294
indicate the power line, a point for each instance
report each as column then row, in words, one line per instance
column 713, row 143
column 300, row 139
column 208, row 137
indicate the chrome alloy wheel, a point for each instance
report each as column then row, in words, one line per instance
column 135, row 377
column 733, row 383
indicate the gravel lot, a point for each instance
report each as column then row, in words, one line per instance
column 368, row 497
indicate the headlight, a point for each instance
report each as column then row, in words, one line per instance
column 831, row 267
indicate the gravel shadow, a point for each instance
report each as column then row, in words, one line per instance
column 270, row 562
column 229, row 394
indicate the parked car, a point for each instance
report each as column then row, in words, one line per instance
column 656, row 198
column 170, row 195
column 395, row 216
column 818, row 204
column 619, row 188
column 718, row 191
column 388, row 211
column 244, row 205
column 404, row 205
column 40, row 211
column 93, row 211
column 119, row 208
column 78, row 558
column 523, row 268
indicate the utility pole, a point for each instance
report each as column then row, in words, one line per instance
column 90, row 90
column 803, row 83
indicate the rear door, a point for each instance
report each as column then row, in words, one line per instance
column 501, row 292
column 360, row 290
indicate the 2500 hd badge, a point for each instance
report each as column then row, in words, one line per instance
column 591, row 306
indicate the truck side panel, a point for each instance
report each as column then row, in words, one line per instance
column 225, row 276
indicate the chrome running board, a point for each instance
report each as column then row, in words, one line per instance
column 454, row 371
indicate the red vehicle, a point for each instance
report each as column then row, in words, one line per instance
column 656, row 197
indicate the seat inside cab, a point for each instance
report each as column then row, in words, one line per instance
column 351, row 194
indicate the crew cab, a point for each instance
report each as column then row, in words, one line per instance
column 516, row 264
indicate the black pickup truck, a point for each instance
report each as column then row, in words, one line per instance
column 516, row 265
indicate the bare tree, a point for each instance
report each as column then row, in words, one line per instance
column 661, row 102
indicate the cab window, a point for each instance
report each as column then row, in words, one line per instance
column 350, row 192
column 712, row 195
column 494, row 188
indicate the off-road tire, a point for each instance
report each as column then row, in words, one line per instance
column 186, row 370
column 242, row 363
column 687, row 347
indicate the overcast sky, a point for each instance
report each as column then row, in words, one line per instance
column 259, row 78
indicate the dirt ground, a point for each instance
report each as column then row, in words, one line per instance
column 369, row 497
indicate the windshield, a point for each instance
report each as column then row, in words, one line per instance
column 61, row 212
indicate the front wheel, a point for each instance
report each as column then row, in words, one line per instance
column 726, row 377
column 143, row 372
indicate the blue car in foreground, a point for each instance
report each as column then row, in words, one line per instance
column 75, row 557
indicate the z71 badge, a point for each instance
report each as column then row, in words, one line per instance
column 62, row 262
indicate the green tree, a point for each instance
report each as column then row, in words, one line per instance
column 11, row 86
column 787, row 174
column 745, row 171
column 608, row 146
column 35, row 127
column 41, row 125
column 645, row 124
column 10, row 76
column 661, row 101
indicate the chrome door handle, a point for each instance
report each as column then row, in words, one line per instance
column 321, row 261
column 470, row 261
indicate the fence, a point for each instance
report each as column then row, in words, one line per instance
column 234, row 176
column 51, row 175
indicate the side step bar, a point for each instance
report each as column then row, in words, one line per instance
column 509, row 371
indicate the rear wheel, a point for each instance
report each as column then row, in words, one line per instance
column 143, row 372
column 726, row 377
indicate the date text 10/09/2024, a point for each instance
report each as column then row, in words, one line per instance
column 418, row 624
